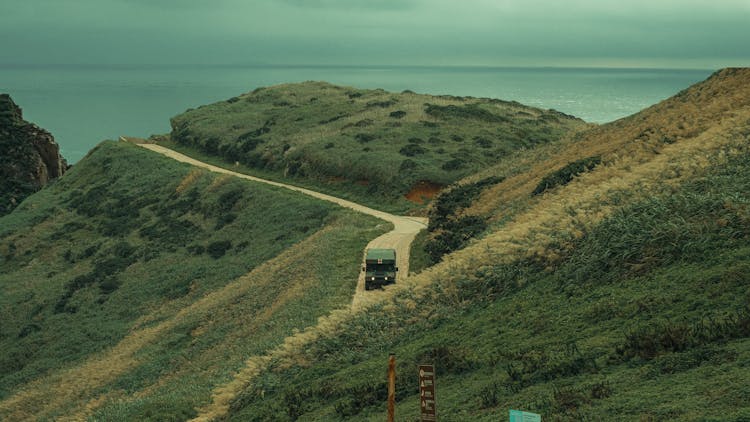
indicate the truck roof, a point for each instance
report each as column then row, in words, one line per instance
column 385, row 254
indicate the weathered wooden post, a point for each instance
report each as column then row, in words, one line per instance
column 391, row 387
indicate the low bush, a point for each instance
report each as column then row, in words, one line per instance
column 217, row 249
column 469, row 111
column 457, row 197
column 410, row 150
column 454, row 164
column 564, row 175
column 454, row 235
column 364, row 137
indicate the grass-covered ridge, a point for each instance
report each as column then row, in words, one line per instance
column 373, row 143
column 619, row 295
column 133, row 271
column 597, row 337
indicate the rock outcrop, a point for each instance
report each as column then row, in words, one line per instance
column 29, row 156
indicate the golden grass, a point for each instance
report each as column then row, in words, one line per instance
column 73, row 388
column 189, row 180
column 715, row 103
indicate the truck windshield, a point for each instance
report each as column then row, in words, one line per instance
column 380, row 267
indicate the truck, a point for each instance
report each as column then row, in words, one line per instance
column 380, row 268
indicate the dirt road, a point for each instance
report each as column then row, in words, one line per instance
column 400, row 238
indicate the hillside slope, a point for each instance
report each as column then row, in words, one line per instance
column 134, row 283
column 617, row 292
column 373, row 146
column 489, row 199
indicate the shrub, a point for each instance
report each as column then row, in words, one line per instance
column 483, row 142
column 398, row 114
column 333, row 119
column 450, row 232
column 364, row 137
column 225, row 219
column 455, row 234
column 469, row 111
column 453, row 164
column 601, row 390
column 410, row 150
column 217, row 249
column 450, row 201
column 564, row 175
column 407, row 165
column 488, row 396
column 381, row 104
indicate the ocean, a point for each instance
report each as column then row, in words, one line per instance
column 83, row 105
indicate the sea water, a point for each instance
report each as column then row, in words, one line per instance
column 83, row 105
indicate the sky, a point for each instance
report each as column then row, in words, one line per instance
column 577, row 33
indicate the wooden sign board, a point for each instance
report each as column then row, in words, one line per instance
column 428, row 412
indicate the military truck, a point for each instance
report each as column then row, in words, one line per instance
column 380, row 268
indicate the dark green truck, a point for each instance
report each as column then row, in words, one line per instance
column 380, row 268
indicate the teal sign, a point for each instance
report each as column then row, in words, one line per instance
column 521, row 416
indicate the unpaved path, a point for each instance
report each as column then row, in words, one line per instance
column 400, row 238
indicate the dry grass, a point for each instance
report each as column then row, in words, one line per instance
column 189, row 180
column 74, row 387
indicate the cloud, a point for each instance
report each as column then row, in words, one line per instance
column 374, row 31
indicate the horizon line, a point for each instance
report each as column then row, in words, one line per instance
column 349, row 66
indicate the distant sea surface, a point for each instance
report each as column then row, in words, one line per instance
column 83, row 105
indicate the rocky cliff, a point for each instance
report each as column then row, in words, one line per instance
column 29, row 156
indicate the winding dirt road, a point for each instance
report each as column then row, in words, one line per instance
column 400, row 238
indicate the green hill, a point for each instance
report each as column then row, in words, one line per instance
column 618, row 292
column 136, row 273
column 600, row 275
column 373, row 146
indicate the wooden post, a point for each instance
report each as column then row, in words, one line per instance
column 391, row 387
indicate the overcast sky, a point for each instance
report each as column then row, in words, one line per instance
column 628, row 33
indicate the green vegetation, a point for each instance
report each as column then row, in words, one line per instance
column 651, row 299
column 372, row 144
column 128, row 242
column 564, row 175
column 419, row 259
column 449, row 230
column 137, row 288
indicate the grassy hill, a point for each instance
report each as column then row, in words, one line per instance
column 377, row 147
column 606, row 288
column 137, row 284
column 597, row 276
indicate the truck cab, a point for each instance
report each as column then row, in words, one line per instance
column 380, row 268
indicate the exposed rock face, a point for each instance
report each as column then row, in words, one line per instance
column 29, row 156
